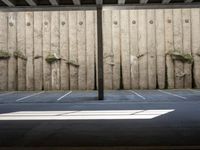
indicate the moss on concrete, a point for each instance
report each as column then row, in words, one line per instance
column 177, row 55
column 19, row 54
column 4, row 54
column 51, row 58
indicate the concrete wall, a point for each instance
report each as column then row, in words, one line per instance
column 137, row 44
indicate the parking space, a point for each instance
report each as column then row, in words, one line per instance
column 46, row 97
column 10, row 97
column 158, row 95
column 91, row 96
column 120, row 95
column 80, row 96
column 191, row 94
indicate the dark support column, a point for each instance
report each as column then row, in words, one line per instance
column 100, row 53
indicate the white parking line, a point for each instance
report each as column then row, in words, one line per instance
column 196, row 91
column 85, row 115
column 64, row 96
column 138, row 95
column 20, row 99
column 172, row 94
column 6, row 93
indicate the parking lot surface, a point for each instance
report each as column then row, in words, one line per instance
column 91, row 96
column 155, row 119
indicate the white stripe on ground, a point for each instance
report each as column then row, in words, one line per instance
column 6, row 93
column 64, row 96
column 172, row 94
column 84, row 115
column 23, row 98
column 138, row 95
column 108, row 117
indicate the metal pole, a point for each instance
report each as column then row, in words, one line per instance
column 100, row 53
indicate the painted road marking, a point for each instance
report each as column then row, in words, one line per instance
column 85, row 115
column 23, row 98
column 138, row 95
column 39, row 113
column 64, row 96
column 172, row 94
column 196, row 91
column 3, row 94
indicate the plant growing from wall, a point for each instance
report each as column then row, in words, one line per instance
column 37, row 57
column 18, row 54
column 177, row 55
column 73, row 63
column 198, row 54
column 51, row 58
column 140, row 55
column 4, row 54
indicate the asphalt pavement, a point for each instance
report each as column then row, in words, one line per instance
column 148, row 119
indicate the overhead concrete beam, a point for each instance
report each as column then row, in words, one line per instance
column 54, row 2
column 10, row 3
column 99, row 2
column 121, row 2
column 31, row 2
column 166, row 1
column 76, row 2
column 188, row 1
column 143, row 1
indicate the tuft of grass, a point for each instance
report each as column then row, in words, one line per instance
column 177, row 55
column 4, row 55
column 51, row 58
column 19, row 54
